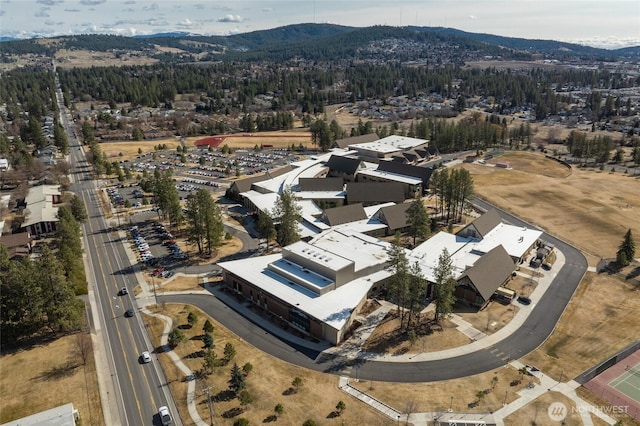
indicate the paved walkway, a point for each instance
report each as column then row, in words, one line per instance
column 353, row 349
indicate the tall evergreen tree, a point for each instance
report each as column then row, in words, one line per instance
column 287, row 214
column 418, row 219
column 626, row 250
column 444, row 286
column 398, row 283
column 237, row 381
column 265, row 227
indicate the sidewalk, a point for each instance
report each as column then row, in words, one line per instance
column 351, row 349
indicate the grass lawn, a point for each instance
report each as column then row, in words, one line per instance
column 600, row 320
column 268, row 383
column 436, row 396
column 48, row 375
column 389, row 338
column 590, row 209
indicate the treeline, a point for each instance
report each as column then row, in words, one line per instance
column 453, row 189
column 227, row 88
column 39, row 297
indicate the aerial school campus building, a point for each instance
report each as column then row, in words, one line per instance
column 318, row 285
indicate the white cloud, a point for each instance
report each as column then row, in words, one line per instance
column 49, row 2
column 92, row 2
column 473, row 17
column 231, row 18
column 41, row 13
column 267, row 9
column 72, row 10
column 152, row 6
column 185, row 23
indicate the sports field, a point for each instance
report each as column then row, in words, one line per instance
column 619, row 385
column 628, row 383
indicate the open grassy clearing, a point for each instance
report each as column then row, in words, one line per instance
column 436, row 396
column 84, row 59
column 47, row 375
column 600, row 320
column 590, row 209
column 268, row 383
column 490, row 319
column 389, row 338
column 128, row 150
column 535, row 413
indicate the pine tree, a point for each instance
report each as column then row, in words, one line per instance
column 237, row 381
column 418, row 220
column 626, row 250
column 287, row 214
column 398, row 265
column 444, row 286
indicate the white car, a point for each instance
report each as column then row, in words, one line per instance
column 165, row 417
column 145, row 357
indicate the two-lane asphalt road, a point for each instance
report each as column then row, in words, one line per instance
column 536, row 328
column 141, row 388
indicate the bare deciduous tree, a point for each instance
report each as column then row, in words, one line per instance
column 82, row 347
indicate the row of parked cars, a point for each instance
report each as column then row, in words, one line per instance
column 168, row 241
column 116, row 198
column 141, row 244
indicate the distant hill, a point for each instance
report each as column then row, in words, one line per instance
column 329, row 42
column 551, row 47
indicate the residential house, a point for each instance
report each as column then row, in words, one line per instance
column 41, row 211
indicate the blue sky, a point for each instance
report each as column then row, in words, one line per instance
column 600, row 23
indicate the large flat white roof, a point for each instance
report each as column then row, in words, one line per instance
column 332, row 308
column 364, row 250
column 391, row 176
column 516, row 240
column 329, row 260
column 390, row 144
column 460, row 252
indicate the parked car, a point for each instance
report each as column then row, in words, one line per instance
column 165, row 417
column 524, row 300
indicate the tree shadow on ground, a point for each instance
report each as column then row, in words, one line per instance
column 65, row 370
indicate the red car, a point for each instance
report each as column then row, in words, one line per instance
column 157, row 272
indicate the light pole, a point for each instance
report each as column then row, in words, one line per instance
column 561, row 373
column 451, row 404
column 505, row 398
column 153, row 284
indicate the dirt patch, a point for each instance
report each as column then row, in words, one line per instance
column 269, row 383
column 48, row 375
column 389, row 338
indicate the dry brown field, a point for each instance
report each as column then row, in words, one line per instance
column 590, row 209
column 388, row 338
column 268, row 383
column 85, row 59
column 48, row 375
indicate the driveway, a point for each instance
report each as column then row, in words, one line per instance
column 535, row 330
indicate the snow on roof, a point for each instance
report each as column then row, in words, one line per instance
column 333, row 308
column 516, row 240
